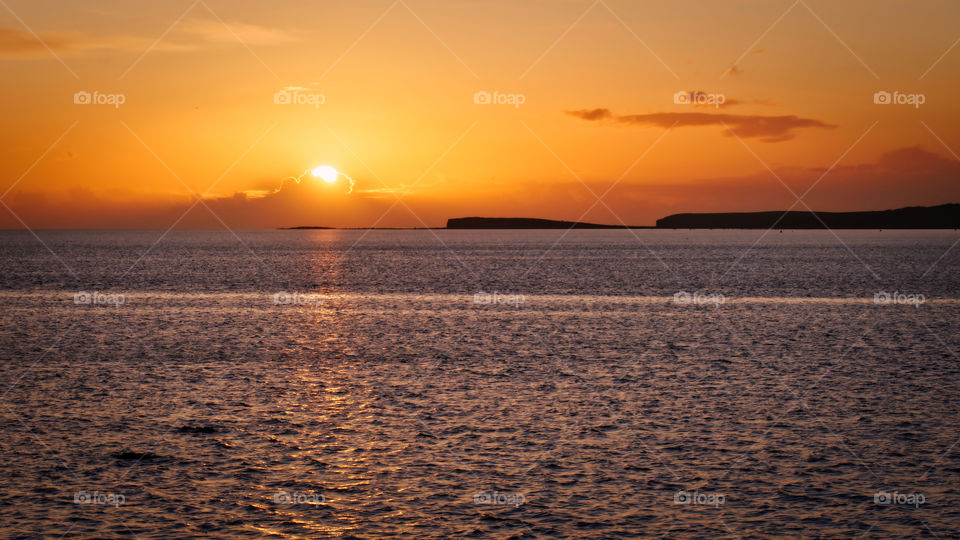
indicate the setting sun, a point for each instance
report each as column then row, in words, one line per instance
column 326, row 173
column 497, row 268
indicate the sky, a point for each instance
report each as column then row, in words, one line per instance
column 211, row 113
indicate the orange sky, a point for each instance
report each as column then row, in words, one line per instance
column 398, row 78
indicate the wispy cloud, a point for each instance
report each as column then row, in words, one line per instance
column 20, row 43
column 213, row 31
column 765, row 128
column 191, row 34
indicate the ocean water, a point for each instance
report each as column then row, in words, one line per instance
column 506, row 384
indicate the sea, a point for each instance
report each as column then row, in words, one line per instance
column 480, row 384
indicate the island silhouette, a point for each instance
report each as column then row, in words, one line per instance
column 944, row 216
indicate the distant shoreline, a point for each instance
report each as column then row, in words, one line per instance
column 945, row 216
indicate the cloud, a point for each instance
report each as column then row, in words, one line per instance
column 904, row 176
column 908, row 176
column 766, row 128
column 14, row 42
column 213, row 31
column 591, row 114
column 294, row 204
column 914, row 159
column 190, row 34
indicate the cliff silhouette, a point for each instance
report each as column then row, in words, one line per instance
column 946, row 216
column 525, row 223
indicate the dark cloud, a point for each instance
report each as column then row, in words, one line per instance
column 909, row 176
column 765, row 128
column 592, row 114
column 916, row 160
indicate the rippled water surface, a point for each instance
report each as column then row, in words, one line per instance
column 675, row 384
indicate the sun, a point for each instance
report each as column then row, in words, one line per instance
column 326, row 173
